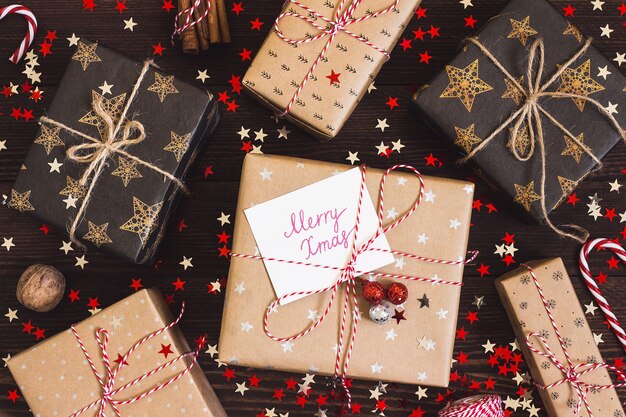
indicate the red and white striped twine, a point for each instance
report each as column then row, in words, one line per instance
column 339, row 23
column 30, row 33
column 348, row 274
column 571, row 372
column 107, row 382
column 189, row 20
column 475, row 406
column 602, row 243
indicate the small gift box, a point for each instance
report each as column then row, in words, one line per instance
column 296, row 222
column 556, row 340
column 533, row 138
column 111, row 154
column 321, row 56
column 129, row 359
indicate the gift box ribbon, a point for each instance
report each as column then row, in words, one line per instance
column 531, row 112
column 348, row 275
column 572, row 373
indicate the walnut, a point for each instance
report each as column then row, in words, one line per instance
column 41, row 287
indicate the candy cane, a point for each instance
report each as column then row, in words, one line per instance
column 593, row 286
column 32, row 28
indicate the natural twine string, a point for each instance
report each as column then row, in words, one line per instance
column 96, row 152
column 531, row 111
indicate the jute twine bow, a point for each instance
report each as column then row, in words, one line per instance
column 572, row 373
column 348, row 274
column 341, row 21
column 530, row 112
column 96, row 152
column 107, row 381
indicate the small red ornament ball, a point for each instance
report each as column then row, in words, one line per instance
column 373, row 292
column 397, row 293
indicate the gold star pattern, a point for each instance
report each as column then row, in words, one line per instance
column 127, row 170
column 573, row 30
column 144, row 220
column 521, row 30
column 513, row 92
column 97, row 234
column 523, row 140
column 573, row 149
column 49, row 138
column 73, row 188
column 578, row 81
column 567, row 185
column 20, row 201
column 178, row 145
column 465, row 84
column 466, row 138
column 526, row 195
column 112, row 106
column 163, row 85
column 86, row 54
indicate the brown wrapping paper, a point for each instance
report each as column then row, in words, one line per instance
column 396, row 351
column 528, row 314
column 56, row 380
column 323, row 107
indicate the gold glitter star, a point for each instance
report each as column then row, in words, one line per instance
column 465, row 84
column 73, row 188
column 525, row 195
column 567, row 185
column 49, row 138
column 86, row 54
column 112, row 106
column 163, row 85
column 573, row 149
column 512, row 91
column 466, row 138
column 573, row 30
column 127, row 170
column 20, row 201
column 523, row 140
column 98, row 234
column 579, row 81
column 178, row 145
column 521, row 30
column 144, row 220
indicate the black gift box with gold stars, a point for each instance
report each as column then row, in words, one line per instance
column 472, row 98
column 112, row 152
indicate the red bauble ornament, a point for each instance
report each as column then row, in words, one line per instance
column 373, row 292
column 397, row 293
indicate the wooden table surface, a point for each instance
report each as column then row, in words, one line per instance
column 110, row 279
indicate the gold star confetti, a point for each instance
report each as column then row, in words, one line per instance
column 49, row 138
column 20, row 201
column 178, row 145
column 525, row 195
column 163, row 85
column 144, row 220
column 97, row 234
column 573, row 149
column 567, row 185
column 523, row 140
column 578, row 81
column 573, row 30
column 127, row 170
column 466, row 138
column 521, row 30
column 86, row 54
column 112, row 106
column 73, row 188
column 465, row 84
column 513, row 92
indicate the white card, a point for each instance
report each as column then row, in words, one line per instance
column 315, row 224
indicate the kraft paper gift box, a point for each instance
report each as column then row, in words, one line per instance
column 528, row 314
column 345, row 71
column 55, row 378
column 128, row 208
column 466, row 118
column 416, row 349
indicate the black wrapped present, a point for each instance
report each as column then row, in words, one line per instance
column 532, row 103
column 111, row 155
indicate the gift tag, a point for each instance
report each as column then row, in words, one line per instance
column 316, row 224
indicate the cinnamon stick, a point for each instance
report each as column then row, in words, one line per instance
column 202, row 28
column 188, row 36
column 214, row 28
column 222, row 18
